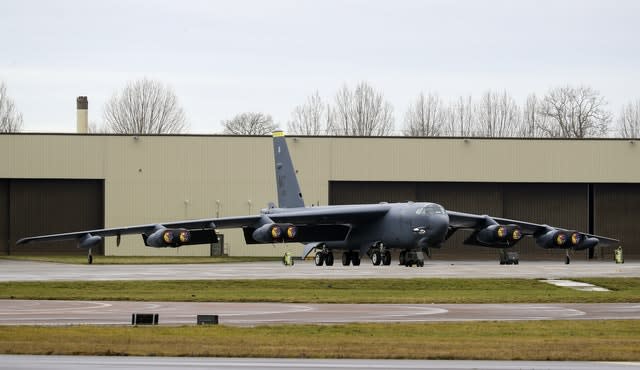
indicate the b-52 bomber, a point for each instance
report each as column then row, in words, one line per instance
column 355, row 230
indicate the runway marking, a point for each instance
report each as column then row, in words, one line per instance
column 585, row 287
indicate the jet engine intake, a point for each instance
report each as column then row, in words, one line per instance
column 499, row 235
column 270, row 233
column 173, row 238
column 580, row 241
column 558, row 239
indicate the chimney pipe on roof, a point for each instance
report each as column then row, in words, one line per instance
column 82, row 115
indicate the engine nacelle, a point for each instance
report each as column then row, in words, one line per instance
column 556, row 239
column 270, row 233
column 89, row 241
column 499, row 235
column 580, row 241
column 173, row 238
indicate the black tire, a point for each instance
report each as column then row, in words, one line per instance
column 403, row 257
column 319, row 259
column 346, row 258
column 516, row 262
column 328, row 259
column 420, row 264
column 567, row 260
column 376, row 258
column 90, row 259
column 386, row 258
column 355, row 259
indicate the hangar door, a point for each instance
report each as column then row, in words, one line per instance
column 44, row 206
column 564, row 205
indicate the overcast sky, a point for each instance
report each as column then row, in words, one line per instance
column 227, row 57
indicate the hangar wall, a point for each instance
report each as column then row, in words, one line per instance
column 49, row 206
column 560, row 204
column 164, row 178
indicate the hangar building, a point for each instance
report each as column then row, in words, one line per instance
column 53, row 183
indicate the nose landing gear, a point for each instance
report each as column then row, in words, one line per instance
column 412, row 257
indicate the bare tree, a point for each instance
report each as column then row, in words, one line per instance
column 144, row 107
column 10, row 118
column 629, row 120
column 498, row 115
column 531, row 118
column 311, row 118
column 425, row 117
column 249, row 123
column 460, row 117
column 362, row 112
column 574, row 112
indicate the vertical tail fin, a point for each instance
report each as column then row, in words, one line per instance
column 289, row 195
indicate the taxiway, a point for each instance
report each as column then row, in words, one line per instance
column 44, row 312
column 11, row 270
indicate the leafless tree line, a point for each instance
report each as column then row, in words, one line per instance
column 10, row 118
column 569, row 112
column 150, row 107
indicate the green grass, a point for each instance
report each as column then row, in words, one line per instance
column 328, row 291
column 138, row 260
column 535, row 340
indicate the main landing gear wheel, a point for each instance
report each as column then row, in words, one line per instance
column 89, row 257
column 328, row 259
column 355, row 258
column 376, row 259
column 386, row 258
column 319, row 259
column 323, row 257
column 346, row 258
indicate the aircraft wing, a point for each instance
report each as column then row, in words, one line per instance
column 323, row 220
column 203, row 224
column 469, row 221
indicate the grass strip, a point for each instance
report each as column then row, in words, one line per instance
column 138, row 260
column 534, row 340
column 328, row 291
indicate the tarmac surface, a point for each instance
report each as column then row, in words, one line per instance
column 45, row 312
column 102, row 362
column 32, row 271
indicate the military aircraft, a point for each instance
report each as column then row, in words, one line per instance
column 356, row 230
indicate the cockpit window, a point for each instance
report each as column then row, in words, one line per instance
column 430, row 209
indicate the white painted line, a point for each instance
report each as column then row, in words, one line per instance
column 585, row 287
